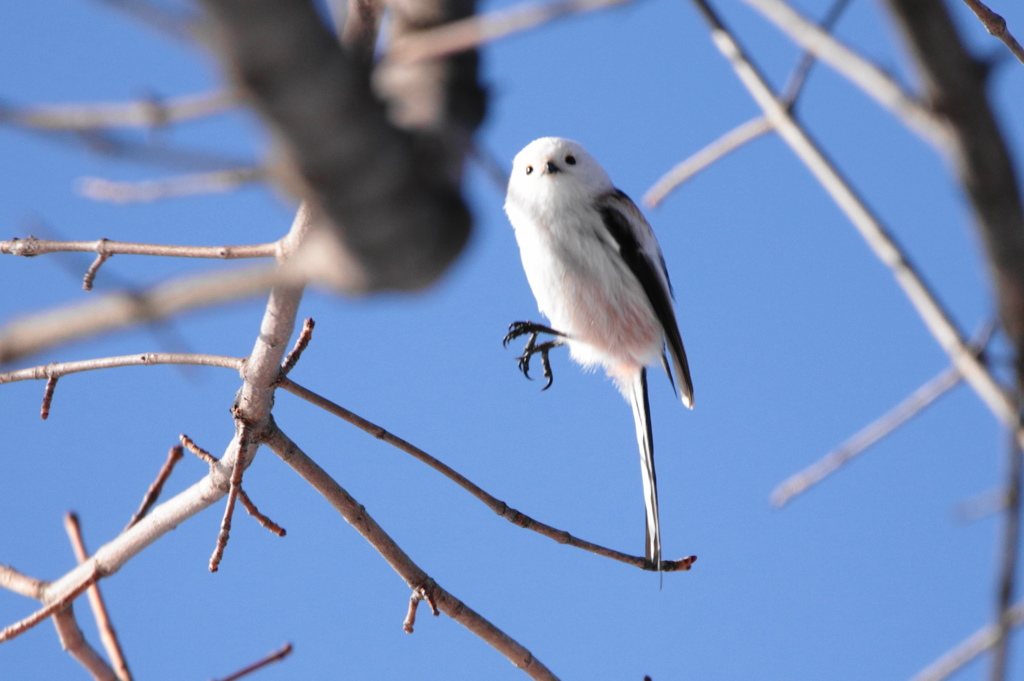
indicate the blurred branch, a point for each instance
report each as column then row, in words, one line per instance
column 500, row 507
column 39, row 332
column 979, row 642
column 878, row 238
column 391, row 195
column 362, row 25
column 871, row 79
column 148, row 112
column 356, row 515
column 477, row 30
column 745, row 132
column 876, row 430
column 100, row 189
column 170, row 25
column 956, row 85
column 996, row 26
column 99, row 609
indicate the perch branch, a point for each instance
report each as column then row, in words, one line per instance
column 500, row 507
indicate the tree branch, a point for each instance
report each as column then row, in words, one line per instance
column 498, row 506
column 355, row 515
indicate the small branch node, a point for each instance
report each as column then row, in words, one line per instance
column 90, row 274
column 51, row 385
column 300, row 345
column 191, row 446
column 260, row 518
column 153, row 493
column 420, row 593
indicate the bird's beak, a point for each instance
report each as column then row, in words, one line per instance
column 551, row 168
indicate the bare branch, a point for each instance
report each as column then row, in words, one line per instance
column 118, row 310
column 996, row 26
column 979, row 642
column 864, row 438
column 300, row 345
column 153, row 493
column 500, row 507
column 51, row 386
column 876, row 430
column 12, row 580
column 84, row 578
column 417, row 596
column 355, row 514
column 260, row 518
column 275, row 656
column 99, row 189
column 745, row 132
column 94, row 268
column 724, row 145
column 150, row 112
column 882, row 243
column 58, row 369
column 191, row 446
column 32, row 247
column 477, row 30
column 871, row 79
column 229, row 508
column 73, row 641
column 99, row 609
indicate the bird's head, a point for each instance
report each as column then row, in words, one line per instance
column 553, row 165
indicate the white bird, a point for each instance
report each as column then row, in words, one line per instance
column 598, row 275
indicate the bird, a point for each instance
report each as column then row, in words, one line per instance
column 599, row 277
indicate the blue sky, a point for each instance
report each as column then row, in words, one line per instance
column 797, row 337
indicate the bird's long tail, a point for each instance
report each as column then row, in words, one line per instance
column 645, row 441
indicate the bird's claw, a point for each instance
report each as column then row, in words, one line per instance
column 517, row 329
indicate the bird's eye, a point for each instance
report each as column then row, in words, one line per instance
column 570, row 159
column 529, row 169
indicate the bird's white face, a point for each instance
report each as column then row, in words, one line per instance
column 556, row 166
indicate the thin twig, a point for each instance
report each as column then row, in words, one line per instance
column 191, row 446
column 745, row 132
column 420, row 594
column 51, row 386
column 356, row 515
column 867, row 76
column 217, row 181
column 471, row 32
column 721, row 147
column 976, row 644
column 300, row 345
column 876, row 430
column 153, row 493
column 32, row 247
column 99, row 609
column 260, row 518
column 238, row 467
column 878, row 238
column 1007, row 570
column 500, row 507
column 51, row 372
column 20, row 627
column 149, row 112
column 873, row 432
column 73, row 640
column 996, row 26
column 90, row 274
column 275, row 656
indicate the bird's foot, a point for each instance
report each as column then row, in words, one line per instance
column 517, row 329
